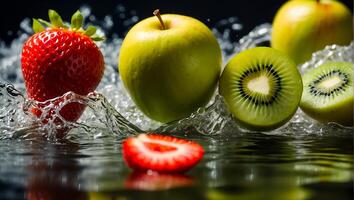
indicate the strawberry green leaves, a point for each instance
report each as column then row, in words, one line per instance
column 77, row 22
column 91, row 30
column 55, row 19
column 37, row 26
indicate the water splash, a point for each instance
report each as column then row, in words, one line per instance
column 110, row 110
column 257, row 37
column 212, row 120
column 101, row 117
column 330, row 53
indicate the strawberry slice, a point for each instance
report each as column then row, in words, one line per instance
column 161, row 153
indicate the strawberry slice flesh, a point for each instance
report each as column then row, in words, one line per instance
column 161, row 153
column 159, row 147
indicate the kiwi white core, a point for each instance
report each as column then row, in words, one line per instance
column 259, row 84
column 330, row 83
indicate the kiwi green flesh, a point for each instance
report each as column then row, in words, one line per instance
column 328, row 93
column 262, row 88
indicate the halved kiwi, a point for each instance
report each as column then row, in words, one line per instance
column 328, row 93
column 262, row 88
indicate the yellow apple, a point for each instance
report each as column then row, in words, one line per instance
column 170, row 65
column 302, row 27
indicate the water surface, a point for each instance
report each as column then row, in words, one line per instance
column 254, row 166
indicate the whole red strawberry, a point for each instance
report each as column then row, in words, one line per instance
column 59, row 59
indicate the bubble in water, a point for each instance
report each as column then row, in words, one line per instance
column 85, row 11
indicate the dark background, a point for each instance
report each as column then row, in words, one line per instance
column 249, row 12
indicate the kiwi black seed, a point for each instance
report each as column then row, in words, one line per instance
column 262, row 88
column 328, row 93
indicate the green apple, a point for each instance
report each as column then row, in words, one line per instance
column 170, row 65
column 302, row 27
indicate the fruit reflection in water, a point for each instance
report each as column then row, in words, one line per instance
column 153, row 181
column 282, row 193
column 51, row 178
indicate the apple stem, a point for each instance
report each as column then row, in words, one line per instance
column 158, row 15
column 318, row 1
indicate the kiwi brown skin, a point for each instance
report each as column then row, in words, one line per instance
column 252, row 115
column 340, row 112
